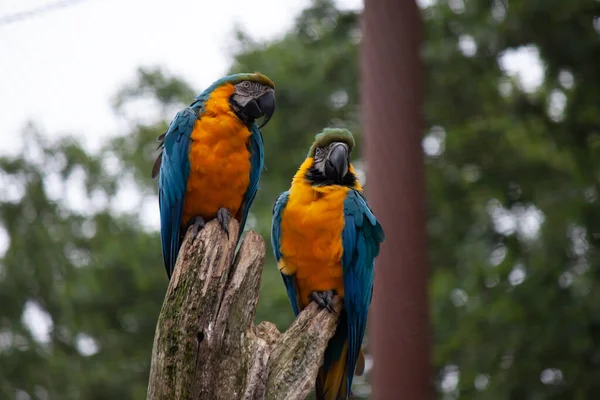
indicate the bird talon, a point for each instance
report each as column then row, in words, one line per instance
column 324, row 299
column 224, row 217
column 314, row 296
column 197, row 224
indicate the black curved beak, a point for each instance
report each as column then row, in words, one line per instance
column 266, row 104
column 336, row 163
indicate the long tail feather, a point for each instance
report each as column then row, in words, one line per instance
column 333, row 382
column 331, row 385
column 360, row 364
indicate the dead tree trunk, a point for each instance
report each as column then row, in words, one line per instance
column 206, row 345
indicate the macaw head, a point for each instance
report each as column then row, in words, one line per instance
column 330, row 154
column 253, row 97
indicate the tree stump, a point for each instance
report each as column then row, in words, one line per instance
column 206, row 345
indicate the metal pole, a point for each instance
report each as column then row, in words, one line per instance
column 392, row 97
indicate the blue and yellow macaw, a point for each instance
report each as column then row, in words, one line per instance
column 325, row 239
column 211, row 158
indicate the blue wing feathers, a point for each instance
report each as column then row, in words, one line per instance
column 174, row 173
column 361, row 239
column 278, row 208
column 257, row 163
column 290, row 287
column 289, row 281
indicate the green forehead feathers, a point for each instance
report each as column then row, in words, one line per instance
column 330, row 135
column 253, row 77
column 234, row 80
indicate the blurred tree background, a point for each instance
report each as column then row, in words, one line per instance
column 514, row 221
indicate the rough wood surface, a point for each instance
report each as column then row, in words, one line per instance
column 206, row 345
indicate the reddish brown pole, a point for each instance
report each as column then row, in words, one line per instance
column 392, row 96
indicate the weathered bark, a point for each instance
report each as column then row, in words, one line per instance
column 206, row 345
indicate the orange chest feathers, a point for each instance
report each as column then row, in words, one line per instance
column 311, row 239
column 219, row 160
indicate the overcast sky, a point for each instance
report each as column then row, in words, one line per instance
column 61, row 68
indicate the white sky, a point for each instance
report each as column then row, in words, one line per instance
column 61, row 68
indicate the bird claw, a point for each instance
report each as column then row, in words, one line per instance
column 197, row 223
column 324, row 299
column 224, row 216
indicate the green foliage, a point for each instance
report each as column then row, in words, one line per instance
column 513, row 306
column 513, row 210
column 74, row 266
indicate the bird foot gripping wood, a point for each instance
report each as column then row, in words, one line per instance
column 224, row 216
column 198, row 224
column 324, row 299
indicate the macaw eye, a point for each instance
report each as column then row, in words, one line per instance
column 246, row 85
column 319, row 152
